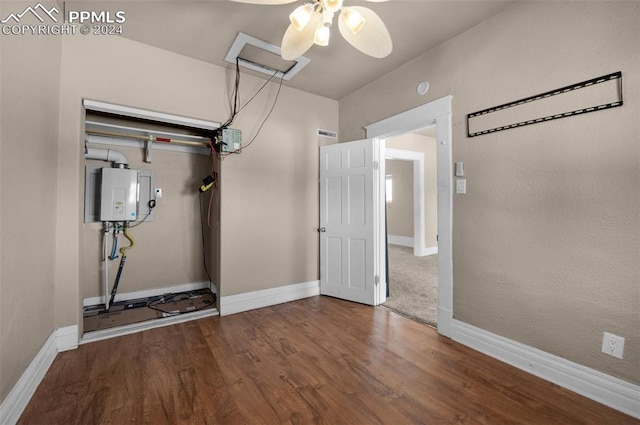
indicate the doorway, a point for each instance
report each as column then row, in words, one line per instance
column 438, row 113
column 412, row 225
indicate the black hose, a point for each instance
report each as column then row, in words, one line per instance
column 117, row 282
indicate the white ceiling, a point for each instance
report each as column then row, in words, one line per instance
column 206, row 29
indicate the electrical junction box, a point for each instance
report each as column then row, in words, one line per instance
column 119, row 194
column 231, row 140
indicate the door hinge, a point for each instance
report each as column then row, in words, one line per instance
column 376, row 165
column 377, row 280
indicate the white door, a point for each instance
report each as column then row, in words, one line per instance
column 348, row 246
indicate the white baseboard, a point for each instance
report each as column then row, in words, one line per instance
column 409, row 242
column 132, row 328
column 430, row 250
column 67, row 338
column 150, row 293
column 267, row 297
column 61, row 339
column 608, row 390
column 400, row 240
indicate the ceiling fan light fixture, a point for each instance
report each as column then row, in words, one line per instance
column 353, row 19
column 301, row 16
column 332, row 5
column 323, row 33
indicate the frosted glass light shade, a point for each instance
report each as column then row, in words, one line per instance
column 323, row 33
column 295, row 43
column 332, row 5
column 301, row 16
column 353, row 20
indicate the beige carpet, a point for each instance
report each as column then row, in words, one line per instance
column 413, row 286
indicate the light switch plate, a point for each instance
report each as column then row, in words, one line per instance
column 461, row 186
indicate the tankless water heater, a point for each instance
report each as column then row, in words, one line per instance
column 119, row 194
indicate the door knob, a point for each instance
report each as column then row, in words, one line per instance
column 322, row 229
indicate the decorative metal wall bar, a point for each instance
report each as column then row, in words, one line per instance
column 583, row 84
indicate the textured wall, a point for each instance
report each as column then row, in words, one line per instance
column 270, row 196
column 29, row 88
column 400, row 211
column 546, row 242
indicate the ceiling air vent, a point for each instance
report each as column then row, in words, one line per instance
column 263, row 57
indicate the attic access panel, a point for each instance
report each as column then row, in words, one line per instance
column 263, row 57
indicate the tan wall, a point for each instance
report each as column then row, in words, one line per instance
column 427, row 146
column 29, row 89
column 400, row 211
column 168, row 249
column 269, row 192
column 546, row 242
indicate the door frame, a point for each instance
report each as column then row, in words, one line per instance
column 437, row 112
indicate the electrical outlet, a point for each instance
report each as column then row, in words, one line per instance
column 613, row 345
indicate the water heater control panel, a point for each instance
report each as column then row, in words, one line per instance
column 119, row 194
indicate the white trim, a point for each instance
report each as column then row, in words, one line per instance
column 232, row 304
column 438, row 111
column 379, row 223
column 61, row 339
column 128, row 111
column 242, row 39
column 413, row 119
column 150, row 293
column 143, row 326
column 429, row 250
column 597, row 386
column 67, row 338
column 400, row 240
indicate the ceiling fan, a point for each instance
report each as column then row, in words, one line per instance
column 311, row 24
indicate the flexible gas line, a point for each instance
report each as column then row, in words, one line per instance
column 124, row 249
column 123, row 260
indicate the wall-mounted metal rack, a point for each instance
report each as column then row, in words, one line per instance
column 605, row 78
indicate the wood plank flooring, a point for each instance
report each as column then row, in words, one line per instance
column 313, row 361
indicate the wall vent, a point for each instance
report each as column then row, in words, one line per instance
column 327, row 133
column 263, row 57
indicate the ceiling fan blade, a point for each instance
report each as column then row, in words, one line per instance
column 295, row 43
column 266, row 2
column 374, row 38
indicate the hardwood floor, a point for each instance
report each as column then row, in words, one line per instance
column 313, row 361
